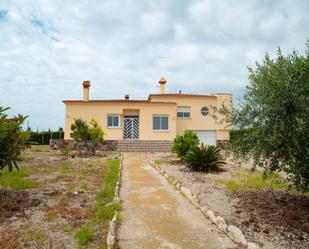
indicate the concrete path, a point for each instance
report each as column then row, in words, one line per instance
column 155, row 216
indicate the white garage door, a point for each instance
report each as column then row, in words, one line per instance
column 207, row 137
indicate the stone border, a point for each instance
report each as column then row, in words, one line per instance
column 112, row 227
column 233, row 232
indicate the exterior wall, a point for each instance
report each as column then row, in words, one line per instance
column 197, row 121
column 223, row 135
column 224, row 100
column 100, row 110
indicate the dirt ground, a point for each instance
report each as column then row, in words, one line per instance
column 277, row 219
column 59, row 203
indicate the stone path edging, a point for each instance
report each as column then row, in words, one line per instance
column 232, row 231
column 112, row 227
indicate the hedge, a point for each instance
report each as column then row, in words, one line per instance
column 43, row 137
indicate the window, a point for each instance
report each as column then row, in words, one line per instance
column 160, row 123
column 183, row 112
column 113, row 121
column 204, row 111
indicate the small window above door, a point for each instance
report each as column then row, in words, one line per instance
column 183, row 112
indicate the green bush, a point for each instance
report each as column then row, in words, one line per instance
column 90, row 135
column 65, row 151
column 13, row 140
column 183, row 143
column 204, row 158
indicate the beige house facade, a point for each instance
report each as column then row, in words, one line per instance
column 159, row 118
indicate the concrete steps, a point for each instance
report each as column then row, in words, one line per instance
column 144, row 145
column 121, row 145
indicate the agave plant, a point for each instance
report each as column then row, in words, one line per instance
column 204, row 158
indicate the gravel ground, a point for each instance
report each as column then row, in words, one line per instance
column 256, row 212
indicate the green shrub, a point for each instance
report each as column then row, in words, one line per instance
column 204, row 158
column 65, row 151
column 13, row 140
column 183, row 143
column 90, row 135
column 84, row 235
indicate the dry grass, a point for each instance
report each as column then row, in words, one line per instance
column 67, row 191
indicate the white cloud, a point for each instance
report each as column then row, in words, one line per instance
column 48, row 47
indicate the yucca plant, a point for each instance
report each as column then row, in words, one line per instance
column 204, row 158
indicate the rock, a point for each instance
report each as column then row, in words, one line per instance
column 221, row 224
column 253, row 246
column 166, row 176
column 171, row 179
column 174, row 182
column 110, row 240
column 100, row 153
column 108, row 204
column 195, row 202
column 186, row 192
column 28, row 212
column 211, row 216
column 13, row 218
column 236, row 235
column 51, row 192
column 75, row 193
column 73, row 154
column 204, row 209
column 178, row 185
column 111, row 235
column 116, row 199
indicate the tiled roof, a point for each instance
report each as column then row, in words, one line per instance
column 180, row 95
column 146, row 101
column 117, row 101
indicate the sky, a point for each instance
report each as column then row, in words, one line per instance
column 47, row 48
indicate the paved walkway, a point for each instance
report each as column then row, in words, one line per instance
column 155, row 216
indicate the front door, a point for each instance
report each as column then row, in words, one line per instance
column 131, row 127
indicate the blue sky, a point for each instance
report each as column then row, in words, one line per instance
column 48, row 48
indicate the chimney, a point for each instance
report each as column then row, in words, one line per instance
column 162, row 83
column 127, row 97
column 86, row 85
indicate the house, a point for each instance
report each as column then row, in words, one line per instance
column 153, row 121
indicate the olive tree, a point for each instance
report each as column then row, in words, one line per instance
column 272, row 122
column 13, row 140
